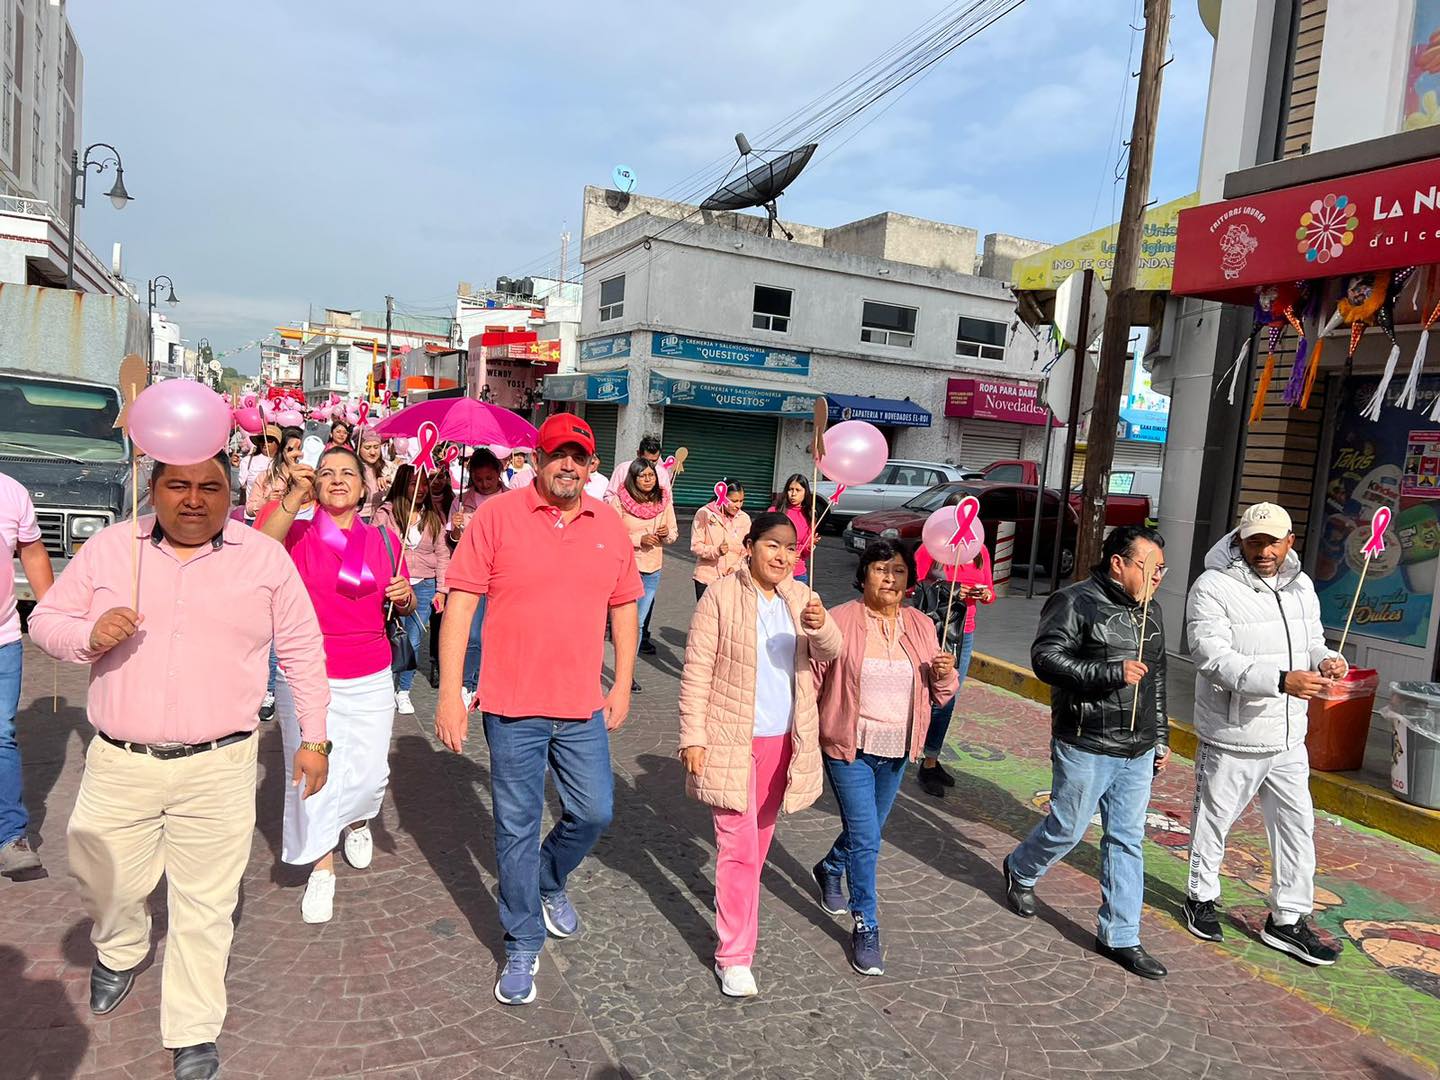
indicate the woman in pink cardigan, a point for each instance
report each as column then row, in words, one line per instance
column 749, row 729
column 875, row 703
column 421, row 529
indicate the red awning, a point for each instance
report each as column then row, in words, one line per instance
column 1379, row 220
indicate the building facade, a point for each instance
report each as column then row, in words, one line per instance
column 719, row 339
column 1320, row 160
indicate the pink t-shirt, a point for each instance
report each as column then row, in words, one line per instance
column 17, row 526
column 354, row 628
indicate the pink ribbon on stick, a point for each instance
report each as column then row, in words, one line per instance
column 965, row 515
column 1378, row 524
column 429, row 436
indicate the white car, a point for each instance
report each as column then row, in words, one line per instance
column 898, row 483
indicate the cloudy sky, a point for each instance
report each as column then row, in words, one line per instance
column 285, row 154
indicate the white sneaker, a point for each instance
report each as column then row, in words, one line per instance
column 736, row 981
column 403, row 705
column 318, row 903
column 359, row 847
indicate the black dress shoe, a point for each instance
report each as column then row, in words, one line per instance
column 930, row 782
column 108, row 988
column 647, row 647
column 200, row 1062
column 1020, row 897
column 635, row 687
column 1134, row 960
column 434, row 675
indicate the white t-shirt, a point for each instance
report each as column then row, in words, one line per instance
column 596, row 486
column 774, row 667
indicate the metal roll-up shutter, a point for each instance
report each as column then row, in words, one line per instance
column 1134, row 455
column 721, row 444
column 980, row 447
column 1077, row 468
column 603, row 419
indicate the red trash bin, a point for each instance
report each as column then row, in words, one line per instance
column 1340, row 721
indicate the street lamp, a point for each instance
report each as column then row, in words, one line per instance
column 202, row 355
column 79, row 182
column 172, row 299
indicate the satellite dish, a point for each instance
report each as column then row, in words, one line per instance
column 624, row 178
column 762, row 184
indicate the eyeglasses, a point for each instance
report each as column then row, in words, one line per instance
column 889, row 571
column 1160, row 568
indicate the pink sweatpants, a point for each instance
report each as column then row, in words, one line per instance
column 742, row 841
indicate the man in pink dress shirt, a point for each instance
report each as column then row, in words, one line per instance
column 169, row 782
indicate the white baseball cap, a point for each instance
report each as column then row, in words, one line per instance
column 1265, row 519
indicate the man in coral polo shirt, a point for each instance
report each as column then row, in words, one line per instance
column 551, row 562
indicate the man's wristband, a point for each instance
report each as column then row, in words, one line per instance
column 1283, row 676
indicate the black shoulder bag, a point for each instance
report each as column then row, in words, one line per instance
column 402, row 652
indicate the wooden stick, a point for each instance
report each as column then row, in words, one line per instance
column 1147, row 567
column 1356, row 600
column 134, row 529
column 945, row 630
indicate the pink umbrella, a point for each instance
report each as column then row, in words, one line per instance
column 462, row 420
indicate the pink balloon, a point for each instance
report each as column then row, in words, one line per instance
column 289, row 418
column 179, row 422
column 249, row 400
column 249, row 420
column 942, row 527
column 855, row 452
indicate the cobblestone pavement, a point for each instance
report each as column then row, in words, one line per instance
column 399, row 984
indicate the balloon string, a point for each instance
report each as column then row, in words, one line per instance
column 945, row 631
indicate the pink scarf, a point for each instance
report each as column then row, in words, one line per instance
column 644, row 511
column 356, row 577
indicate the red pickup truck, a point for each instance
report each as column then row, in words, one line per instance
column 1132, row 509
column 999, row 501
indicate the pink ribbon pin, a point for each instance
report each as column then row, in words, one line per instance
column 1378, row 524
column 429, row 436
column 722, row 492
column 965, row 514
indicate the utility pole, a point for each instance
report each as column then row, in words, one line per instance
column 1100, row 449
column 389, row 319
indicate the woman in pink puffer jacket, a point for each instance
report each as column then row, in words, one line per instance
column 749, row 724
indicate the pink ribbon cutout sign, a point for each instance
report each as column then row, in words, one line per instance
column 839, row 490
column 965, row 513
column 722, row 492
column 669, row 463
column 1378, row 524
column 452, row 453
column 364, row 411
column 429, row 436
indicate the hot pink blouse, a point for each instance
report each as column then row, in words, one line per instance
column 354, row 628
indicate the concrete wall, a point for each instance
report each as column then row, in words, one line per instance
column 1362, row 68
column 1001, row 252
column 62, row 332
column 901, row 238
column 605, row 208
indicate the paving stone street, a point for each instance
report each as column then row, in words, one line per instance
column 399, row 984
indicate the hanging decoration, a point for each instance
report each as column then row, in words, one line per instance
column 1385, row 319
column 1409, row 394
column 1302, row 373
column 1274, row 308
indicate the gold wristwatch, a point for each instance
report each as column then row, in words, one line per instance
column 318, row 747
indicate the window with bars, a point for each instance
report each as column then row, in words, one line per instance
column 888, row 324
column 980, row 339
column 772, row 309
column 612, row 298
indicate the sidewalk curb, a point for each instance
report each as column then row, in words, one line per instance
column 1369, row 806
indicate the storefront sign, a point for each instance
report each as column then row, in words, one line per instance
column 1369, row 470
column 1370, row 221
column 701, row 394
column 705, row 351
column 887, row 411
column 606, row 348
column 611, row 386
column 533, row 352
column 1046, row 270
column 1421, row 479
column 994, row 399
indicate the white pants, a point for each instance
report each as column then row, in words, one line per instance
column 358, row 723
column 1225, row 782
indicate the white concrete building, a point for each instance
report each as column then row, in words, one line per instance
column 167, row 352
column 719, row 339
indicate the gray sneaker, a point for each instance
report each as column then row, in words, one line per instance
column 19, row 862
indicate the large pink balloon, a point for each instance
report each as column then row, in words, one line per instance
column 855, row 452
column 249, row 420
column 289, row 418
column 941, row 527
column 179, row 422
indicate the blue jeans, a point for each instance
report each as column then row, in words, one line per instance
column 1120, row 787
column 651, row 581
column 578, row 754
column 940, row 714
column 865, row 789
column 415, row 624
column 13, row 818
column 471, row 675
column 274, row 668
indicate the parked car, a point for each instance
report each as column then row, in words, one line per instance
column 998, row 502
column 1133, row 491
column 899, row 482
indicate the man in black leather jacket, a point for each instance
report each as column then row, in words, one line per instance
column 1105, row 745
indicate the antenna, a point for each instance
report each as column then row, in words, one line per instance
column 763, row 184
column 624, row 178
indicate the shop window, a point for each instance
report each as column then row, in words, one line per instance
column 612, row 298
column 980, row 339
column 772, row 309
column 888, row 324
column 342, row 367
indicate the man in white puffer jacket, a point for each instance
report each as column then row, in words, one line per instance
column 1253, row 623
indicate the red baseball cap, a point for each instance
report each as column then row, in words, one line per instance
column 563, row 428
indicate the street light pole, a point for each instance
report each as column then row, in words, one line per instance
column 172, row 299
column 78, row 184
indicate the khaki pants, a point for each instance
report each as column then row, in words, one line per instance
column 190, row 819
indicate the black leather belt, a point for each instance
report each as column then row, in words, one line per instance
column 170, row 751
